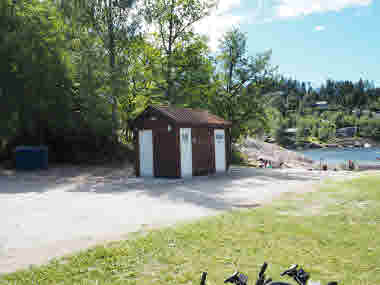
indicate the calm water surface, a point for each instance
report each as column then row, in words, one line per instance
column 365, row 156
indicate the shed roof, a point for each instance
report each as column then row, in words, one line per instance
column 191, row 117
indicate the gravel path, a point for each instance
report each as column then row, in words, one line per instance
column 49, row 214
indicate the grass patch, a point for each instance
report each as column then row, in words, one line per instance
column 337, row 240
column 238, row 157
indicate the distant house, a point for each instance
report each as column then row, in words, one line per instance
column 366, row 113
column 361, row 112
column 346, row 132
column 291, row 131
column 321, row 105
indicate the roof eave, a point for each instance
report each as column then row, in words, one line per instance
column 195, row 125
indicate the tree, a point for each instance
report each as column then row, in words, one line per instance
column 360, row 96
column 242, row 81
column 173, row 22
column 117, row 25
column 36, row 80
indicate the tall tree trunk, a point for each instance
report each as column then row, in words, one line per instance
column 231, row 70
column 113, row 71
column 169, row 92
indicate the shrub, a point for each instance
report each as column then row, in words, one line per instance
column 369, row 127
column 237, row 157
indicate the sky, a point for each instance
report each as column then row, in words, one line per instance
column 311, row 40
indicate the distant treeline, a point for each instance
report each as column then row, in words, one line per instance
column 316, row 113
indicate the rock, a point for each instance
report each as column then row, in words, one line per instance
column 315, row 145
column 270, row 140
column 277, row 155
column 332, row 145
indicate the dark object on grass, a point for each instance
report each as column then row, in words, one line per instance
column 261, row 280
column 203, row 278
column 351, row 165
column 237, row 278
column 299, row 275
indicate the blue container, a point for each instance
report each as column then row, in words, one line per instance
column 31, row 157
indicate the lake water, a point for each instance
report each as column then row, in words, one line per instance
column 364, row 156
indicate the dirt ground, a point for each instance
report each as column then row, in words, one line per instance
column 47, row 214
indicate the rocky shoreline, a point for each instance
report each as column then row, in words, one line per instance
column 337, row 143
column 257, row 151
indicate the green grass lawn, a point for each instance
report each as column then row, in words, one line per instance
column 334, row 233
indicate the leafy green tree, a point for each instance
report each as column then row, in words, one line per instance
column 360, row 96
column 117, row 25
column 241, row 83
column 36, row 80
column 173, row 22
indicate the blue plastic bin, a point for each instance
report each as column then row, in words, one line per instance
column 31, row 157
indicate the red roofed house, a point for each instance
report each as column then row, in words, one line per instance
column 181, row 142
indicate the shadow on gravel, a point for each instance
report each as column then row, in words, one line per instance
column 64, row 177
column 209, row 191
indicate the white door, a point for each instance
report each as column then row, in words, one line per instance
column 220, row 151
column 186, row 153
column 146, row 153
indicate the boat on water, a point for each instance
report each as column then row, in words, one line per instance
column 367, row 145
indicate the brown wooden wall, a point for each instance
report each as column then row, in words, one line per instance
column 137, row 150
column 203, row 151
column 228, row 148
column 166, row 148
column 166, row 153
column 148, row 124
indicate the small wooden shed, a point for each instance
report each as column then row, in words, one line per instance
column 181, row 142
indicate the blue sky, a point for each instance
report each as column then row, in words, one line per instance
column 311, row 40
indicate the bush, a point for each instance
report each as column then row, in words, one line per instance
column 343, row 121
column 306, row 127
column 238, row 157
column 327, row 131
column 369, row 127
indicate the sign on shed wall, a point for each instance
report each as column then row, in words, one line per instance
column 220, row 150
